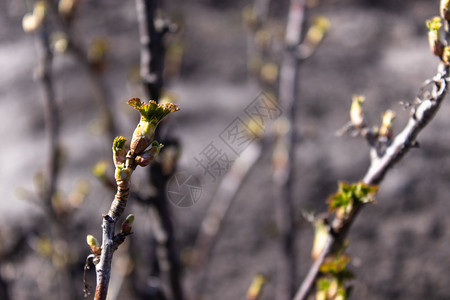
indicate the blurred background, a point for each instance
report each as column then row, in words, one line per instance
column 399, row 246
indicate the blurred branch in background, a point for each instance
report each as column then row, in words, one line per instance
column 386, row 150
column 212, row 223
column 153, row 27
column 284, row 173
column 297, row 49
column 93, row 61
column 57, row 210
column 263, row 43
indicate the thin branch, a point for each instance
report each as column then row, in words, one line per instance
column 143, row 150
column 404, row 141
column 289, row 74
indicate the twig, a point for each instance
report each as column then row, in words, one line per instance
column 217, row 211
column 404, row 141
column 288, row 92
column 126, row 162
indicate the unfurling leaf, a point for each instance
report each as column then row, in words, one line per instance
column 151, row 114
column 348, row 194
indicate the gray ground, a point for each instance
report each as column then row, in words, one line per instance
column 379, row 48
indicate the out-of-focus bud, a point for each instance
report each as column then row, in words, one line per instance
column 168, row 97
column 148, row 156
column 119, row 152
column 445, row 9
column 40, row 11
column 94, row 244
column 255, row 290
column 333, row 289
column 151, row 114
column 59, row 42
column 174, row 58
column 434, row 38
column 99, row 170
column 127, row 225
column 29, row 23
column 269, row 73
column 250, row 17
column 321, row 295
column 317, row 30
column 446, row 55
column 79, row 194
column 263, row 38
column 97, row 53
column 59, row 204
column 39, row 182
column 32, row 21
column 170, row 158
column 356, row 111
column 320, row 237
column 67, row 8
column 44, row 246
column 386, row 124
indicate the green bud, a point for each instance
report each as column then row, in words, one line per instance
column 119, row 152
column 148, row 156
column 94, row 244
column 127, row 224
column 356, row 111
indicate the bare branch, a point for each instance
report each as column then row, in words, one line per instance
column 217, row 211
column 288, row 92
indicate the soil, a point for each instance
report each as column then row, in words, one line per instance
column 399, row 246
